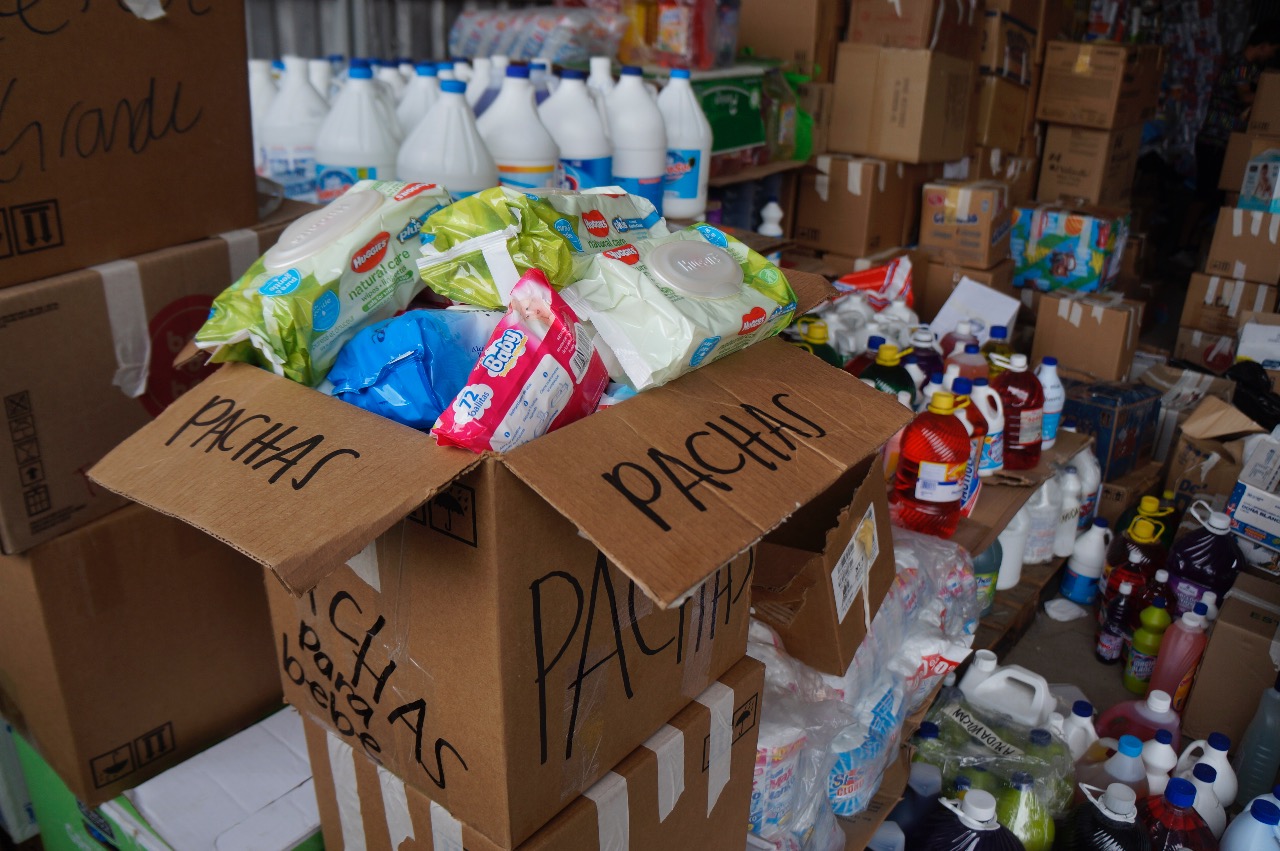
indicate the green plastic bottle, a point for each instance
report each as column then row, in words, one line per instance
column 1021, row 810
column 1146, row 646
column 986, row 568
column 816, row 334
column 888, row 375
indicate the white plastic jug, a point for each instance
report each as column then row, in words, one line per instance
column 1045, row 510
column 1213, row 751
column 988, row 401
column 1160, row 759
column 462, row 69
column 481, row 71
column 1207, row 804
column 446, row 148
column 1078, row 730
column 1012, row 689
column 1084, row 567
column 1090, row 472
column 1065, row 537
column 320, row 73
column 525, row 153
column 1255, row 828
column 898, row 310
column 586, row 156
column 639, row 138
column 1055, row 398
column 688, row 149
column 541, row 79
column 353, row 143
column 1013, row 543
column 419, row 96
column 601, row 77
column 388, row 74
column 290, row 129
column 262, row 90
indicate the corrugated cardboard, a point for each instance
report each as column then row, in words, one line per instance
column 1260, row 338
column 687, row 786
column 1241, row 148
column 905, row 105
column 1095, row 335
column 1001, row 106
column 1099, row 85
column 816, row 99
column 966, row 224
column 1264, row 113
column 1182, row 392
column 1120, row 495
column 1214, row 352
column 129, row 645
column 1096, row 165
column 1121, row 417
column 854, row 205
column 803, row 34
column 948, row 27
column 1209, row 454
column 1008, row 47
column 1246, row 245
column 821, row 576
column 1217, row 305
column 1239, row 663
column 89, row 359
column 1018, row 172
column 122, row 135
column 934, row 282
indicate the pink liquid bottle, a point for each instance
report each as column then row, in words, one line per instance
column 1142, row 718
column 1181, row 650
column 1144, row 555
column 1204, row 560
column 929, row 481
column 953, row 342
column 971, row 362
column 1172, row 823
column 1023, row 399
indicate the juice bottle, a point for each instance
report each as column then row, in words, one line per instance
column 1131, row 575
column 1144, row 646
column 988, row 402
column 925, row 346
column 953, row 342
column 971, row 363
column 931, row 467
column 997, row 344
column 1023, row 400
column 1104, row 823
column 1204, row 560
column 1055, row 398
column 888, row 375
column 1110, row 641
column 1172, row 822
column 1180, row 654
column 1142, row 718
column 976, row 425
column 859, row 362
column 1020, row 809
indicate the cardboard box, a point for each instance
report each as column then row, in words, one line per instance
column 113, row 118
column 1000, row 108
column 1260, row 189
column 905, row 105
column 617, row 531
column 935, row 282
column 817, row 99
column 687, row 786
column 129, row 645
column 1260, row 339
column 982, row 306
column 1264, row 113
column 1182, row 391
column 1217, row 305
column 17, row 816
column 803, row 34
column 1241, row 148
column 1214, row 352
column 966, row 224
column 252, row 790
column 1209, row 454
column 1124, row 493
column 854, row 205
column 1254, row 506
column 1072, row 247
column 89, row 359
column 1018, row 172
column 820, row 577
column 1096, row 165
column 1121, row 417
column 1094, row 335
column 1246, row 245
column 1239, row 662
column 1008, row 48
column 952, row 28
column 1099, row 85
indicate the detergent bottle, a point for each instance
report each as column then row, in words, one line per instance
column 446, row 148
column 1140, row 546
column 1160, row 758
column 1023, row 399
column 925, row 345
column 1013, row 546
column 1044, row 510
column 1204, row 560
column 1142, row 718
column 353, row 143
column 997, row 344
column 1110, row 641
column 524, row 151
column 688, row 148
column 498, row 65
column 1064, row 538
column 859, row 362
column 1020, row 809
column 570, row 116
column 1207, row 804
column 262, row 90
column 888, row 375
column 953, row 342
column 1086, row 464
column 639, row 136
column 1181, row 650
column 971, row 825
column 976, row 424
column 1151, row 508
column 601, row 76
column 1144, row 646
column 971, row 363
column 1124, row 766
column 813, row 333
column 1078, row 730
column 931, row 467
column 481, row 78
column 1253, row 829
column 988, row 402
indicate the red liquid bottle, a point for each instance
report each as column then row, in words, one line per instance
column 1023, row 399
column 859, row 362
column 1110, row 644
column 929, row 481
column 1155, row 587
column 1171, row 822
column 1144, row 556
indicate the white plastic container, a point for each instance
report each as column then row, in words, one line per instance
column 1064, row 538
column 1160, row 759
column 1253, row 829
column 601, row 77
column 497, row 76
column 419, row 96
column 1055, row 398
column 525, row 152
column 353, row 143
column 1077, row 729
column 1084, row 567
column 540, row 79
column 1013, row 544
column 406, row 69
column 1213, row 751
column 570, row 116
column 898, row 310
column 1044, row 509
column 639, row 139
column 482, row 69
column 262, row 91
column 320, row 72
column 1207, row 804
column 462, row 69
column 446, row 147
column 1022, row 695
column 1090, row 472
column 688, row 149
column 388, row 73
column 992, row 461
column 290, row 129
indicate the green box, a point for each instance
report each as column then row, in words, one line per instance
column 732, row 100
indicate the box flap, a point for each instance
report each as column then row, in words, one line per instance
column 679, row 480
column 1215, row 419
column 293, row 478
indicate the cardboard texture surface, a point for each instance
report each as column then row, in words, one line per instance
column 130, row 644
column 1119, row 496
column 1260, row 338
column 855, row 206
column 112, row 118
column 1121, row 418
column 1214, row 352
column 934, row 281
column 1241, row 148
column 1099, row 85
column 89, row 359
column 1182, row 391
column 1001, row 108
column 1095, row 335
column 1264, row 115
column 686, row 786
column 966, row 224
column 953, row 28
column 1246, row 245
column 1217, row 305
column 1008, row 47
column 1209, row 454
column 804, row 33
column 1096, row 165
column 1019, row 172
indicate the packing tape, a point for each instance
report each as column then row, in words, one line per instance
column 1239, row 270
column 127, row 315
column 613, row 816
column 937, row 25
column 1259, row 299
column 1237, row 222
column 718, row 698
column 1077, row 313
column 882, row 169
column 822, row 183
column 395, row 805
column 342, row 766
column 242, row 250
column 964, row 198
column 1255, row 222
column 364, row 564
column 853, row 178
column 1211, row 291
column 1237, row 293
column 668, row 746
column 1084, row 59
column 1273, row 232
column 147, row 10
column 973, row 12
column 446, row 831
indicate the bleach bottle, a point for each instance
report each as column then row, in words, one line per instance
column 1256, row 828
column 586, row 157
column 446, row 148
column 639, row 139
column 1013, row 545
column 353, row 143
column 688, row 148
column 320, row 73
column 481, row 75
column 262, row 91
column 419, row 96
column 1064, row 538
column 601, row 77
column 988, row 402
column 1055, row 398
column 497, row 76
column 290, row 129
column 1086, row 464
column 1084, row 567
column 526, row 154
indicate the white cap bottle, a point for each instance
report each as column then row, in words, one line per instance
column 481, row 69
column 354, row 142
column 1055, row 398
column 586, row 157
column 461, row 69
column 389, row 73
column 406, row 68
column 419, row 96
column 601, row 78
column 1065, row 536
column 543, row 80
column 688, row 148
column 446, row 148
column 289, row 132
column 320, row 72
column 262, row 90
column 525, row 152
column 639, row 138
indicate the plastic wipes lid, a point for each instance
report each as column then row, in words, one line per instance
column 1220, row 742
column 696, row 269
column 1265, row 812
column 331, row 273
column 1180, row 793
column 1130, row 745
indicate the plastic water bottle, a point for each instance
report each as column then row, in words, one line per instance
column 1171, row 821
column 971, row 825
column 988, row 402
column 601, row 77
column 446, row 147
column 1013, row 546
column 1258, row 758
column 1207, row 804
column 1142, row 718
column 353, row 143
column 1159, row 758
column 1254, row 829
column 1204, row 560
column 1211, row 751
column 1023, row 399
column 1065, row 536
column 935, row 453
column 639, row 138
column 262, row 90
column 586, row 157
column 1180, row 653
column 1077, row 729
column 688, row 149
column 524, row 151
column 1020, row 809
column 290, row 130
column 388, row 73
column 419, row 96
column 478, row 84
column 1086, row 464
column 1055, row 398
column 1084, row 567
column 320, row 73
column 1104, row 823
column 1044, row 509
column 277, row 71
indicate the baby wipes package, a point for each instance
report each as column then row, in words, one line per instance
column 332, row 272
column 475, row 250
column 409, row 368
column 539, row 371
column 666, row 305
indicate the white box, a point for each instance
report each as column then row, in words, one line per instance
column 982, row 306
column 1260, row 339
column 1255, row 515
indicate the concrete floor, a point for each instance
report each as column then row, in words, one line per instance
column 1063, row 653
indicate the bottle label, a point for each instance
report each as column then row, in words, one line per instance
column 648, row 188
column 295, row 169
column 1040, row 544
column 1140, row 666
column 527, row 176
column 1029, row 422
column 587, row 174
column 1079, row 589
column 970, row 483
column 992, row 452
column 1180, row 693
column 1187, row 594
column 938, row 482
column 1088, row 503
column 1110, row 644
column 683, row 168
column 986, row 583
column 333, row 180
column 1049, row 424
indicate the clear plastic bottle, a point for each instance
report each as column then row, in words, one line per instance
column 524, row 151
column 997, row 344
column 446, row 148
column 688, row 148
column 1104, row 823
column 986, row 569
column 289, row 132
column 1253, row 829
column 1160, row 758
column 639, row 138
column 1207, row 804
column 1023, row 399
column 1211, row 751
column 1055, row 399
column 935, row 452
column 1044, row 509
column 971, row 362
column 1180, row 653
column 353, row 144
column 1204, row 560
column 1065, row 536
column 1172, row 822
column 1258, row 757
column 1142, row 718
column 953, row 342
column 1144, row 646
column 1110, row 640
column 988, row 402
column 586, row 155
column 1020, row 809
column 419, row 96
column 1084, row 567
column 1124, row 766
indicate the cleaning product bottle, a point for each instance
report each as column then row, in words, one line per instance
column 888, row 375
column 972, row 364
column 1140, row 548
column 1174, row 518
column 497, row 77
column 481, row 77
column 858, row 363
column 1204, row 560
column 1258, row 757
column 988, row 402
column 1086, row 464
column 524, row 151
column 997, row 344
column 1159, row 758
column 1180, row 653
column 1064, row 539
column 1149, row 507
column 1078, row 730
column 898, row 311
column 262, row 90
column 1013, row 547
column 462, row 69
column 290, row 129
column 1124, row 766
column 601, row 76
column 931, row 467
column 1023, row 399
column 919, row 802
column 1044, row 510
column 586, row 155
column 1172, row 822
column 540, row 79
column 813, row 334
column 1020, row 809
column 976, row 424
column 953, row 342
column 446, row 148
column 1142, row 718
column 320, row 73
column 935, row 383
column 912, row 364
column 1106, row 822
column 1110, row 642
column 353, row 144
column 1084, row 567
column 639, row 137
column 388, row 73
column 1055, row 398
column 970, row 825
column 1155, row 588
column 1210, row 601
column 1211, row 751
column 925, row 345
column 1145, row 646
column 419, row 96
column 1254, row 829
column 688, row 149
column 986, row 569
column 1207, row 804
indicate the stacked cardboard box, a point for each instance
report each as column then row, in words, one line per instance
column 1262, row 134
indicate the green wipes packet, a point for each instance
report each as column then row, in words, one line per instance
column 332, row 272
column 475, row 250
column 668, row 305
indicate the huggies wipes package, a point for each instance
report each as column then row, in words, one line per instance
column 474, row 251
column 666, row 306
column 331, row 273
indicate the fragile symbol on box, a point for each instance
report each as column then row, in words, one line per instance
column 111, row 766
column 154, row 744
column 35, row 226
column 744, row 720
column 453, row 513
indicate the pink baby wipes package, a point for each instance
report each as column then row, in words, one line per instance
column 539, row 371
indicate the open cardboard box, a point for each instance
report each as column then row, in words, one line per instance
column 509, row 626
column 1209, row 454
